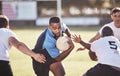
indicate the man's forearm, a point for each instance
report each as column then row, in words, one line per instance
column 64, row 54
column 92, row 55
column 86, row 45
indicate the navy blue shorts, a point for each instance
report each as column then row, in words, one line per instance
column 102, row 70
column 42, row 69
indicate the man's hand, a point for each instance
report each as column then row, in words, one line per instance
column 76, row 38
column 40, row 58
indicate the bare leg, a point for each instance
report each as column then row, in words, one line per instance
column 57, row 69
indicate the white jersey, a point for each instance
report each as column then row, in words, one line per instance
column 107, row 50
column 5, row 34
column 116, row 30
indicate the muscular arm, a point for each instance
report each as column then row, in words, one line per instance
column 92, row 55
column 78, row 39
column 24, row 49
column 97, row 36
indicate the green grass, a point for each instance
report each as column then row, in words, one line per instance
column 75, row 64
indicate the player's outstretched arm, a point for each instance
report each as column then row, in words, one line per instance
column 24, row 49
column 78, row 39
column 97, row 36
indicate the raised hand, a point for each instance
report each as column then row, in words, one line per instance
column 76, row 38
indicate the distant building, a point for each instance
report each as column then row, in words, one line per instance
column 72, row 12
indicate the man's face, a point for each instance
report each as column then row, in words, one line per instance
column 116, row 18
column 55, row 28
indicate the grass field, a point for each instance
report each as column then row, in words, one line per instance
column 75, row 64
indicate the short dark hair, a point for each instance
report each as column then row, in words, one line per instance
column 114, row 10
column 4, row 21
column 107, row 31
column 54, row 20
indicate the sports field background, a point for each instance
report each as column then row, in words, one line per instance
column 75, row 64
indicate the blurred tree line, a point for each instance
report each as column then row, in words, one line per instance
column 75, row 8
column 79, row 8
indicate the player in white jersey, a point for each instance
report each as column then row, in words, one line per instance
column 8, row 39
column 114, row 25
column 106, row 51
